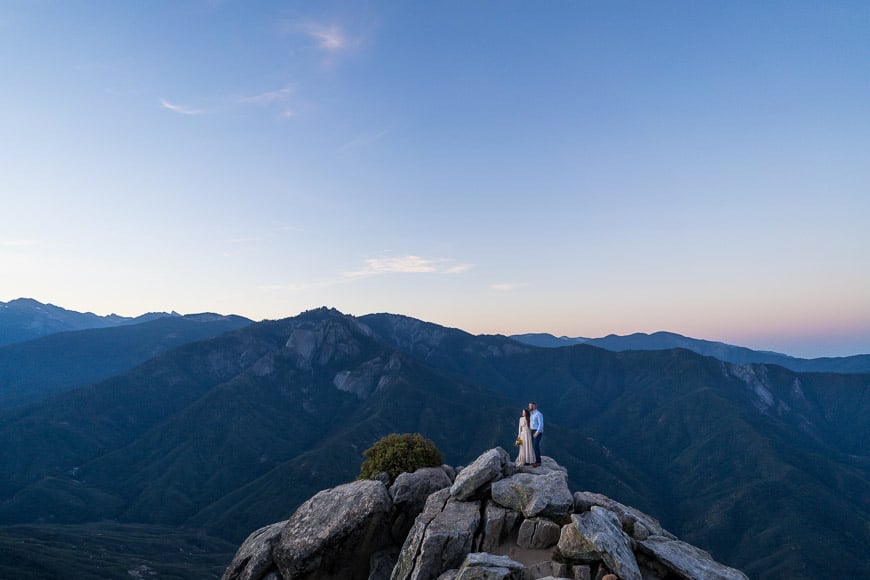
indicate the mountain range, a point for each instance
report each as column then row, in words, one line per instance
column 37, row 369
column 208, row 440
column 720, row 350
column 25, row 319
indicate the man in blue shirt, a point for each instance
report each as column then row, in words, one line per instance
column 536, row 424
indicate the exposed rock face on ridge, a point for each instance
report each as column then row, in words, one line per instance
column 490, row 522
column 320, row 337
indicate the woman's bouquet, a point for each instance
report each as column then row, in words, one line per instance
column 518, row 442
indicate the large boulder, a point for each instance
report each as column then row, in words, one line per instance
column 634, row 522
column 484, row 566
column 440, row 540
column 597, row 535
column 538, row 533
column 545, row 495
column 334, row 534
column 482, row 470
column 254, row 558
column 410, row 492
column 687, row 561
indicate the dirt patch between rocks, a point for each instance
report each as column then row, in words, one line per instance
column 525, row 556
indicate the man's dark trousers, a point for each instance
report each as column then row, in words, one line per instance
column 536, row 443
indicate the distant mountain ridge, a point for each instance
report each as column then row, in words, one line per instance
column 719, row 350
column 25, row 319
column 546, row 340
column 38, row 369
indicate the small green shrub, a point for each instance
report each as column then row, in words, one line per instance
column 397, row 454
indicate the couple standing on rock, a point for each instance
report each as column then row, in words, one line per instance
column 531, row 431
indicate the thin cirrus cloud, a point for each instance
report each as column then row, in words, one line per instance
column 275, row 99
column 364, row 140
column 409, row 264
column 331, row 39
column 328, row 38
column 180, row 109
column 279, row 98
column 509, row 286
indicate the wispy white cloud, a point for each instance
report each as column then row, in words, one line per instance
column 408, row 264
column 17, row 243
column 180, row 109
column 458, row 269
column 279, row 98
column 364, row 140
column 509, row 286
column 269, row 97
column 329, row 38
column 276, row 99
column 393, row 265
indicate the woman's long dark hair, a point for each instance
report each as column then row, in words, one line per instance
column 528, row 416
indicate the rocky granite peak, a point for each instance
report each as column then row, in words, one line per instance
column 490, row 520
column 321, row 337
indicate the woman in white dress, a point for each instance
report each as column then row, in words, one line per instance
column 524, row 438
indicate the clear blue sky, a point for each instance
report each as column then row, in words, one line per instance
column 580, row 168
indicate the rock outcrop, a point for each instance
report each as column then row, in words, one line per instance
column 254, row 558
column 538, row 533
column 441, row 538
column 332, row 535
column 482, row 471
column 533, row 495
column 410, row 492
column 492, row 520
column 597, row 535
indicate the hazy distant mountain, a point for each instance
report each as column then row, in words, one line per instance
column 720, row 350
column 37, row 369
column 26, row 319
column 765, row 467
column 547, row 340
